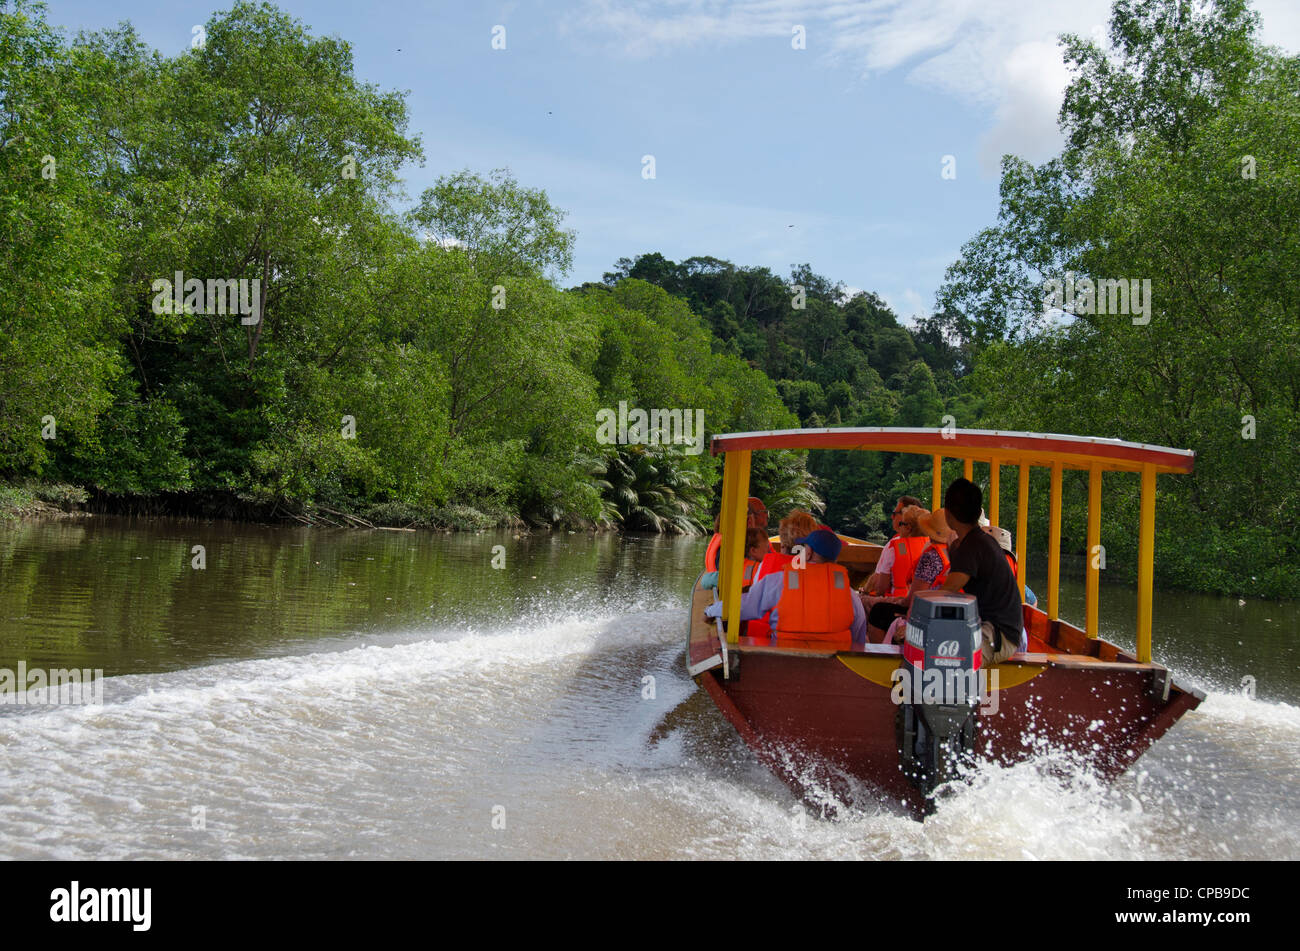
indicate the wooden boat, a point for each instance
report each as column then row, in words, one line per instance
column 826, row 719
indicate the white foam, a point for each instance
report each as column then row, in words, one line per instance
column 1239, row 710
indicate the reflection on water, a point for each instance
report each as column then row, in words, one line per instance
column 391, row 695
column 122, row 595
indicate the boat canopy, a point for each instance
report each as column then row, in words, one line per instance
column 1053, row 451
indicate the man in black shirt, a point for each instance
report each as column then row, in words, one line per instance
column 980, row 568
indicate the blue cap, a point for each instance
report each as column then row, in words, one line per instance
column 823, row 541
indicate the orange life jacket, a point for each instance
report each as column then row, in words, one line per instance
column 772, row 563
column 942, row 576
column 906, row 553
column 1015, row 568
column 816, row 604
column 711, row 553
column 747, row 576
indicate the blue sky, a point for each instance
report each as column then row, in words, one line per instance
column 844, row 140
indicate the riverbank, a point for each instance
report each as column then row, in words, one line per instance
column 34, row 500
column 1220, row 564
column 60, row 500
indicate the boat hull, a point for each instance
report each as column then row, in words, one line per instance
column 822, row 718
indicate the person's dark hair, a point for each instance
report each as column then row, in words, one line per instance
column 907, row 500
column 964, row 501
column 754, row 536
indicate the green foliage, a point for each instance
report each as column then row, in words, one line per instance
column 782, row 480
column 1180, row 169
column 651, row 491
column 57, row 359
column 497, row 221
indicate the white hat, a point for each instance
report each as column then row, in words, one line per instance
column 1002, row 536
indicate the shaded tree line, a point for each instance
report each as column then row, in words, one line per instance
column 413, row 368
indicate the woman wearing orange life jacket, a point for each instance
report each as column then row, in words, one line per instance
column 793, row 527
column 757, row 519
column 757, row 547
column 901, row 553
column 907, row 551
column 881, row 581
column 931, row 568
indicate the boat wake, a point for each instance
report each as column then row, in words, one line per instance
column 1211, row 788
column 578, row 735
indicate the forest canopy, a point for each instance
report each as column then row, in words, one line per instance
column 211, row 299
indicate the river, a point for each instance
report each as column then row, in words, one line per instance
column 312, row 693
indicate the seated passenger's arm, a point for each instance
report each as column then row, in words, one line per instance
column 762, row 596
column 956, row 581
column 881, row 580
column 913, row 586
column 757, row 601
column 859, row 628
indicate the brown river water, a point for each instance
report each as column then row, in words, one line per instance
column 313, row 693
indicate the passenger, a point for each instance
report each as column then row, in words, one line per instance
column 815, row 603
column 1003, row 538
column 903, row 549
column 757, row 547
column 892, row 575
column 715, row 546
column 979, row 568
column 793, row 527
column 933, row 565
column 757, row 518
column 931, row 570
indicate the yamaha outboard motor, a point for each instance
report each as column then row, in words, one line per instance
column 939, row 697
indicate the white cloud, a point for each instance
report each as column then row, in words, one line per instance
column 1034, row 78
column 1001, row 54
column 1280, row 23
column 447, row 242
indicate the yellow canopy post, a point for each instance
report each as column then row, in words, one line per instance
column 995, row 471
column 1093, row 596
column 1054, row 546
column 968, row 469
column 735, row 497
column 729, row 471
column 938, row 483
column 1022, row 526
column 1146, row 562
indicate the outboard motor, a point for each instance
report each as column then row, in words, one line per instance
column 939, row 697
